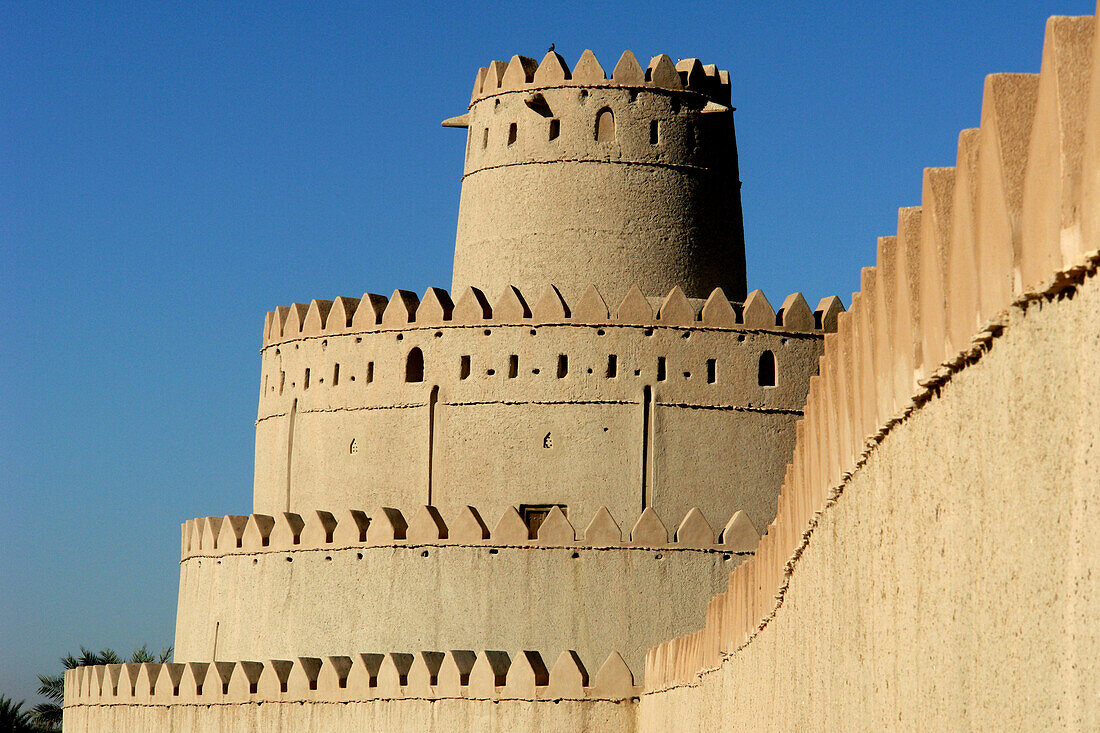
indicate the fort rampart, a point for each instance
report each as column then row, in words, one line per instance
column 934, row 559
column 404, row 402
column 390, row 577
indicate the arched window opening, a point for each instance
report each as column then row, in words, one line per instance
column 414, row 366
column 605, row 126
column 765, row 375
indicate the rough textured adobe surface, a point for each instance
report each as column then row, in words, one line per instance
column 262, row 606
column 619, row 211
column 954, row 584
column 353, row 717
column 492, row 440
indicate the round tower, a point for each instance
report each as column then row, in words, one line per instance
column 574, row 178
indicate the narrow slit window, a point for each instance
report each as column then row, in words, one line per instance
column 305, row 380
column 370, row 372
column 605, row 126
column 660, row 368
column 555, row 129
column 414, row 365
column 612, row 366
column 282, row 381
column 765, row 375
column 264, row 388
column 513, row 366
column 464, row 367
column 485, row 139
column 513, row 131
column 335, row 374
column 563, row 366
column 712, row 371
column 654, row 132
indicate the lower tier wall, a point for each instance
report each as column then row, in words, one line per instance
column 274, row 605
column 955, row 583
column 491, row 716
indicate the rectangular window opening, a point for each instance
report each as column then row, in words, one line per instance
column 282, row 381
column 513, row 366
column 305, row 381
column 464, row 367
column 485, row 139
column 555, row 129
column 660, row 368
column 535, row 514
column 335, row 374
column 370, row 372
column 712, row 371
column 612, row 366
column 512, row 132
column 563, row 365
column 654, row 132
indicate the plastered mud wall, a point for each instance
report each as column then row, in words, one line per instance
column 261, row 587
column 934, row 558
column 628, row 180
column 956, row 581
column 403, row 402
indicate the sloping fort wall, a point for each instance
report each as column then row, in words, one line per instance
column 935, row 559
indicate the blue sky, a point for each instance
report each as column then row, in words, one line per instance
column 169, row 172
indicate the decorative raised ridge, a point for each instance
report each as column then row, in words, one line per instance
column 426, row 675
column 935, row 300
column 522, row 73
column 386, row 526
column 404, row 310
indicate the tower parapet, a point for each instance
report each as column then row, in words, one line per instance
column 574, row 177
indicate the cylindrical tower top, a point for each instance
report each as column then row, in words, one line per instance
column 574, row 178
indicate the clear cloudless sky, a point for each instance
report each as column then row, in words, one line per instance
column 171, row 171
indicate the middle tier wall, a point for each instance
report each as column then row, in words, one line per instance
column 504, row 415
column 405, row 597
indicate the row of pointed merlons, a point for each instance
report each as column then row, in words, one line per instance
column 1016, row 220
column 489, row 675
column 404, row 309
column 387, row 526
column 523, row 72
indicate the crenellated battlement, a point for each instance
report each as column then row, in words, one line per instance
column 426, row 675
column 386, row 526
column 525, row 74
column 404, row 310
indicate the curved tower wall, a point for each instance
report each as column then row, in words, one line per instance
column 557, row 191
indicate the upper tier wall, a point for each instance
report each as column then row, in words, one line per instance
column 522, row 407
column 574, row 178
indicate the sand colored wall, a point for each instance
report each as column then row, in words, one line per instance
column 405, row 595
column 933, row 560
column 353, row 717
column 363, row 436
column 551, row 196
column 954, row 592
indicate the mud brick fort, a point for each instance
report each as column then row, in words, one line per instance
column 600, row 485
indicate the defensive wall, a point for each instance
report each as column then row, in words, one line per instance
column 670, row 404
column 632, row 179
column 463, row 690
column 261, row 587
column 935, row 559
